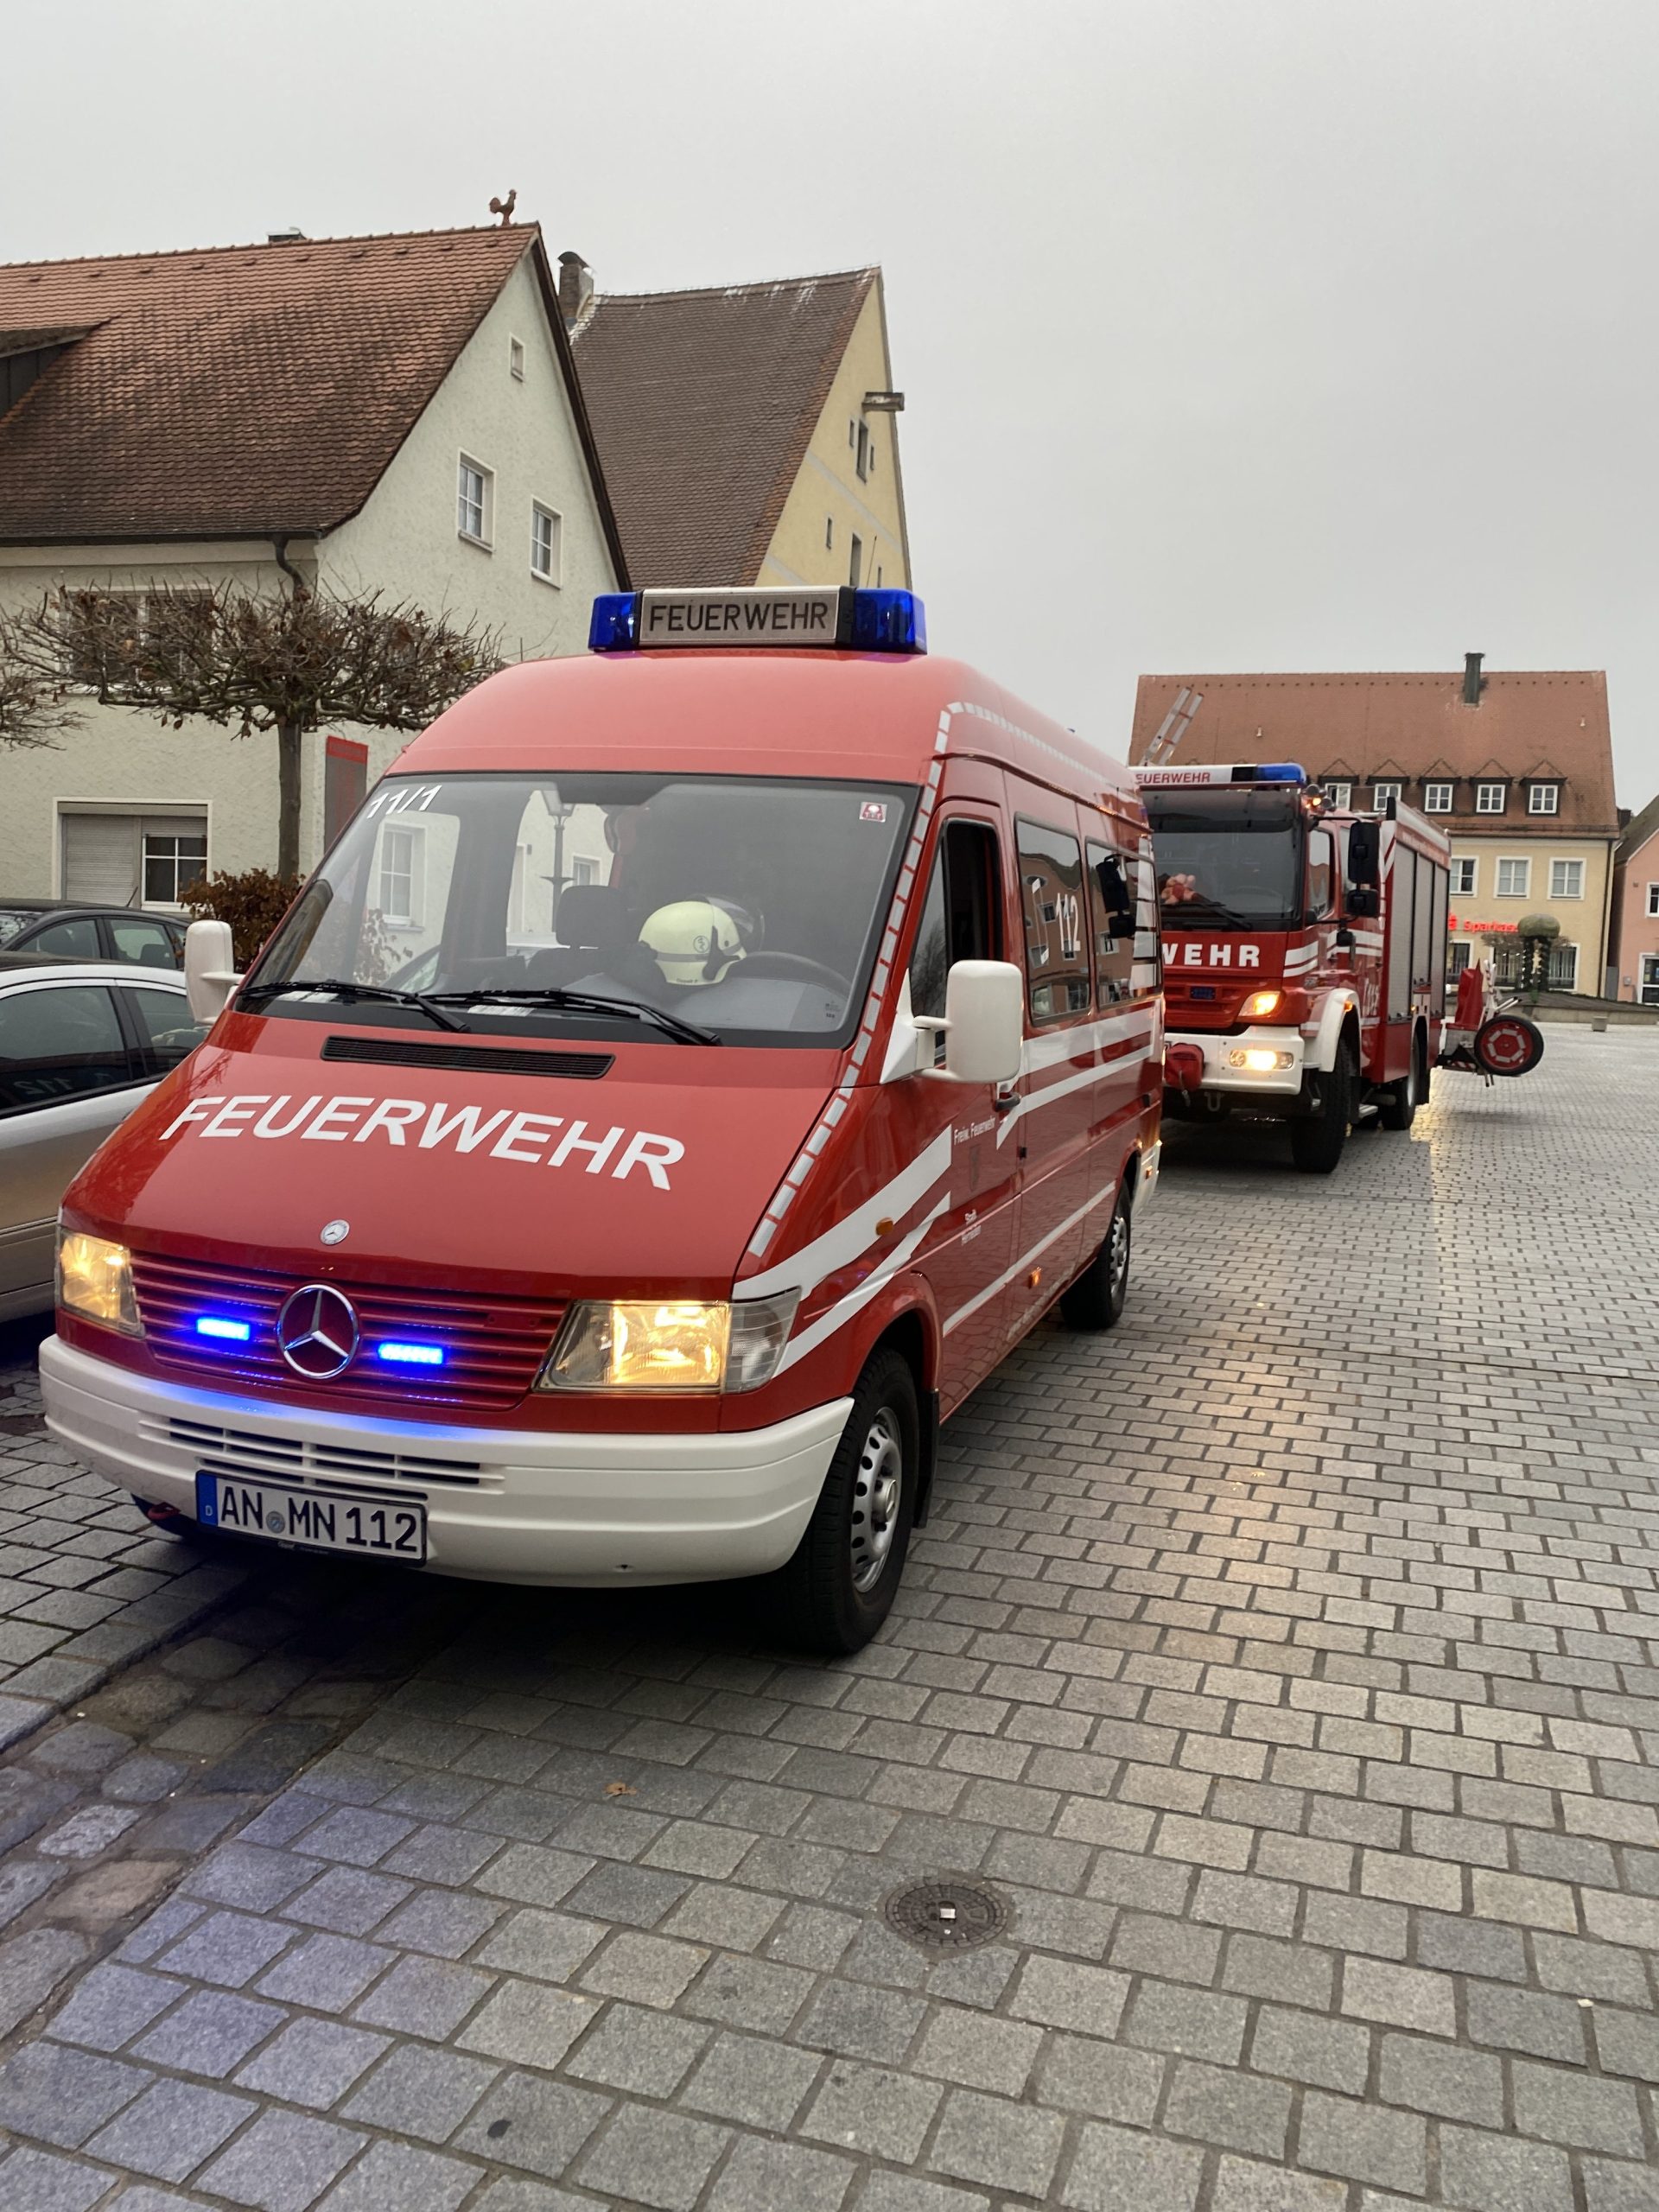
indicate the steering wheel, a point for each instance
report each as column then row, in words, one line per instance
column 793, row 963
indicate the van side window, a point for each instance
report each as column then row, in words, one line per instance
column 961, row 917
column 1052, row 900
column 1111, row 910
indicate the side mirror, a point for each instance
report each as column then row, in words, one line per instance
column 1364, row 855
column 984, row 1020
column 1362, row 901
column 210, row 976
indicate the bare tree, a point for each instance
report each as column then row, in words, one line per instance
column 243, row 660
column 30, row 708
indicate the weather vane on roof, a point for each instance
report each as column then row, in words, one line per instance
column 504, row 207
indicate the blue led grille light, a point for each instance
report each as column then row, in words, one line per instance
column 889, row 622
column 1281, row 772
column 412, row 1355
column 216, row 1325
column 615, row 625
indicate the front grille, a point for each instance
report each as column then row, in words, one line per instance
column 493, row 1346
column 473, row 1059
column 320, row 1467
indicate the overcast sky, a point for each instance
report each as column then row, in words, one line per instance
column 1236, row 333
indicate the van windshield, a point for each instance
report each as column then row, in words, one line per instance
column 1227, row 857
column 741, row 910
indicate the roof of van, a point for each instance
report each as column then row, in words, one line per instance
column 869, row 717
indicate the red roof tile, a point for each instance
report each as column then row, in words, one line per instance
column 1544, row 724
column 235, row 391
column 703, row 404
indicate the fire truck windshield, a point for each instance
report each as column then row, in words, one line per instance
column 1228, row 857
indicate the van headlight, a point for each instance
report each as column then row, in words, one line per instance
column 676, row 1344
column 95, row 1281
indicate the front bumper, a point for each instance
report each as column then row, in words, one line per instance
column 503, row 1505
column 1220, row 1073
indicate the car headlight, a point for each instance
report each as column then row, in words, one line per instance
column 677, row 1345
column 95, row 1281
column 1258, row 1004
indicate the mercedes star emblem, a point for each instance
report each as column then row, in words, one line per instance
column 336, row 1232
column 317, row 1332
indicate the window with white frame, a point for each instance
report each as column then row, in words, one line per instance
column 1566, row 879
column 1342, row 795
column 1563, row 966
column 1437, row 798
column 474, row 497
column 546, row 544
column 1543, row 798
column 1488, row 797
column 1381, row 793
column 1514, row 879
column 862, row 451
column 829, row 532
column 1463, row 877
column 1653, row 899
column 584, row 871
column 516, row 360
column 171, row 862
column 1649, row 996
column 855, row 564
column 400, row 875
column 1458, row 958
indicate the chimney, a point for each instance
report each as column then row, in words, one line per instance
column 575, row 288
column 1472, row 678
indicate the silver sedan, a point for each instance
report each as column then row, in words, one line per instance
column 80, row 1043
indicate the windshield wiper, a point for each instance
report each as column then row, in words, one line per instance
column 420, row 1001
column 685, row 1033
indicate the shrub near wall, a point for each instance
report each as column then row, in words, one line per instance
column 252, row 903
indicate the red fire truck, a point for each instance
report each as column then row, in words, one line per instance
column 1304, row 952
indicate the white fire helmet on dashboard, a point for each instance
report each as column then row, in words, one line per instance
column 696, row 941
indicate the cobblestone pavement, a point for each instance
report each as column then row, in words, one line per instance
column 1285, row 1660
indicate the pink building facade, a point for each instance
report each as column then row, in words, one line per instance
column 1633, row 946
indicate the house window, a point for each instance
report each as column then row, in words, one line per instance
column 1488, row 797
column 877, row 575
column 1563, row 967
column 1514, row 878
column 1463, row 878
column 473, row 490
column 1458, row 957
column 1566, row 879
column 1653, row 900
column 546, row 535
column 516, row 359
column 855, row 565
column 400, row 888
column 1381, row 793
column 863, row 448
column 1437, row 798
column 829, row 532
column 1650, row 979
column 171, row 862
column 583, row 871
column 1543, row 798
column 1342, row 795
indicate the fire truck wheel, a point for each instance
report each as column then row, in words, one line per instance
column 838, row 1588
column 1397, row 1106
column 1315, row 1144
column 1096, row 1299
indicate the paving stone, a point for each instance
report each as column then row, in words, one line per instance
column 981, row 2052
column 40, row 2181
column 645, row 2052
column 422, row 1997
column 1102, row 2079
column 527, row 2024
column 758, row 2083
column 32, row 1965
column 396, row 2177
column 283, row 2163
column 1114, row 2167
column 1064, row 1993
column 328, row 1972
column 111, row 2004
column 649, row 1969
column 650, row 2158
column 1000, row 2144
column 907, row 2193
column 227, row 1948
column 170, row 2129
column 762, row 2177
column 60, row 2095
column 1242, row 2186
column 1610, row 2187
column 1303, row 2047
column 533, row 2123
column 1425, row 2076
column 1219, row 2104
column 1576, row 2109
column 1495, row 2173
column 1405, row 1996
column 417, row 2091
column 1192, row 2022
column 1520, row 2020
column 1364, row 2143
column 313, row 2062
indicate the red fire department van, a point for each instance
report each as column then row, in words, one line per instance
column 693, row 1069
column 1304, row 952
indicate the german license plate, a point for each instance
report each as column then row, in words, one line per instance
column 285, row 1514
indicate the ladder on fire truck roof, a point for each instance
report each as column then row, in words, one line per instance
column 1174, row 728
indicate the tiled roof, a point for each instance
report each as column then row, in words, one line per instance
column 1543, row 722
column 703, row 404
column 1637, row 831
column 236, row 390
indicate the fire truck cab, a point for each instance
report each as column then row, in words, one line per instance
column 1304, row 952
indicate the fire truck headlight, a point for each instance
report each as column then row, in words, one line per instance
column 95, row 1281
column 1258, row 1061
column 680, row 1344
column 1259, row 1005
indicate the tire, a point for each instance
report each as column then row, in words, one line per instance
column 837, row 1591
column 1315, row 1144
column 1096, row 1299
column 1508, row 1045
column 1397, row 1107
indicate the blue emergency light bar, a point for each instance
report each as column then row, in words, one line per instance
column 217, row 1325
column 833, row 616
column 399, row 1355
column 1279, row 772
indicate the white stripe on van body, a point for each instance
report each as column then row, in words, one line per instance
column 854, row 1233
column 993, row 1289
column 827, row 1323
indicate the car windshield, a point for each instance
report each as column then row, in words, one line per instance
column 1227, row 858
column 13, row 920
column 715, row 909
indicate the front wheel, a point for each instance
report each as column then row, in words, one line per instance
column 1096, row 1299
column 1316, row 1143
column 837, row 1591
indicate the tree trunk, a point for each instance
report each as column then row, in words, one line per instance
column 288, row 738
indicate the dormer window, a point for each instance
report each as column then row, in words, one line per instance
column 1488, row 797
column 1543, row 798
column 1342, row 795
column 1437, row 798
column 1381, row 793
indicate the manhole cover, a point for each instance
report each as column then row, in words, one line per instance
column 948, row 1913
